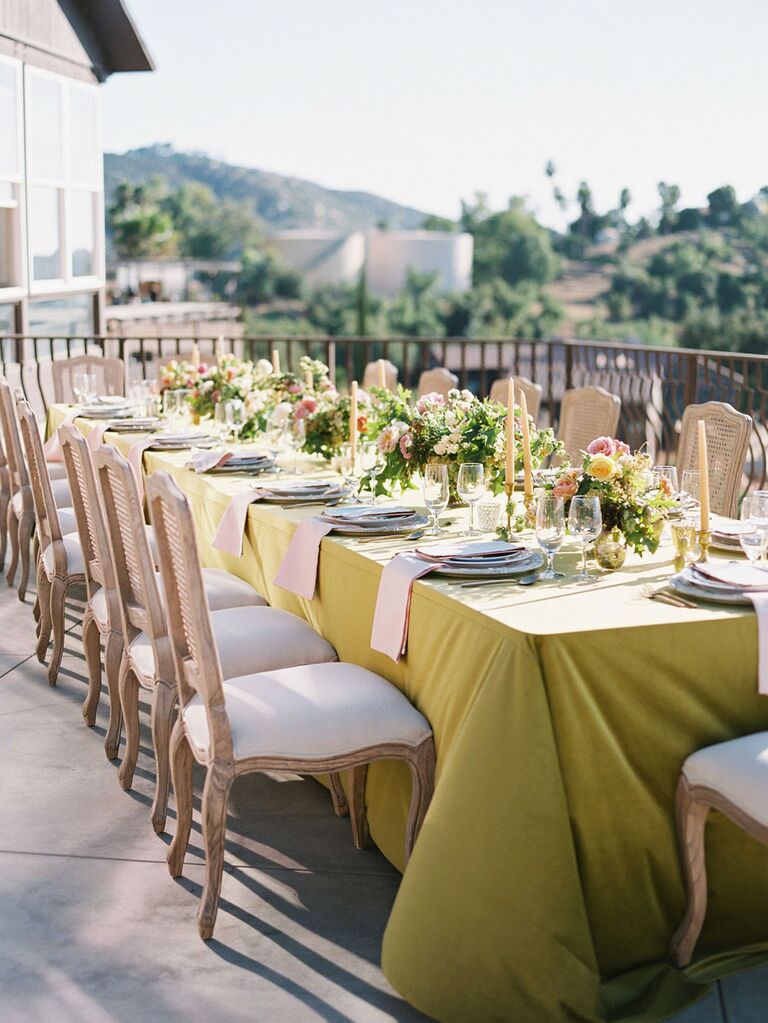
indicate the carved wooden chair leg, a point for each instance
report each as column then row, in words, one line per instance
column 13, row 532
column 163, row 704
column 113, row 658
column 358, row 819
column 129, row 701
column 422, row 787
column 181, row 774
column 4, row 503
column 214, row 814
column 57, row 605
column 338, row 795
column 691, row 820
column 45, row 624
column 25, row 540
column 92, row 650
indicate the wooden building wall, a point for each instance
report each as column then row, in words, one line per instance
column 38, row 32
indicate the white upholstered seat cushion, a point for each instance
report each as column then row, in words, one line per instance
column 99, row 607
column 67, row 520
column 57, row 470
column 75, row 561
column 61, row 495
column 225, row 590
column 737, row 769
column 251, row 639
column 310, row 713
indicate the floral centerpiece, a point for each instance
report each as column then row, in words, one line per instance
column 629, row 499
column 178, row 375
column 452, row 429
column 326, row 419
column 229, row 379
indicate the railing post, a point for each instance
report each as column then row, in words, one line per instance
column 330, row 359
column 568, row 366
column 691, row 380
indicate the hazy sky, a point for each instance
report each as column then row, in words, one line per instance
column 428, row 101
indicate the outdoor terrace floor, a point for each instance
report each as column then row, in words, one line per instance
column 94, row 930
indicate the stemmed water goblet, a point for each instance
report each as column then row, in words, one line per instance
column 550, row 530
column 295, row 436
column 237, row 417
column 470, row 486
column 435, row 490
column 351, row 468
column 585, row 522
column 690, row 487
column 222, row 421
column 666, row 472
column 84, row 386
column 275, row 440
column 372, row 464
column 752, row 534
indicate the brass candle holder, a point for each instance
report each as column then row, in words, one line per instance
column 705, row 539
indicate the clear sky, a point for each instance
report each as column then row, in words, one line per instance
column 428, row 101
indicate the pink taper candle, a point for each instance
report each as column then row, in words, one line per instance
column 703, row 475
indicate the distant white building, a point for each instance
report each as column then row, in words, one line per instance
column 390, row 254
column 322, row 257
column 327, row 257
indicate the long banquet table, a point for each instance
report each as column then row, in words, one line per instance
column 546, row 881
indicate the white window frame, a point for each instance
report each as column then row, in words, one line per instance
column 17, row 291
column 66, row 283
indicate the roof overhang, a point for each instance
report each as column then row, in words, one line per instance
column 109, row 35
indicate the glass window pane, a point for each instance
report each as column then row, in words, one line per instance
column 44, row 128
column 44, row 233
column 81, row 232
column 9, row 128
column 62, row 317
column 7, row 192
column 8, row 234
column 6, row 319
column 83, row 137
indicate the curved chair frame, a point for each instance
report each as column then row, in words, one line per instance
column 437, row 381
column 199, row 671
column 111, row 373
column 533, row 393
column 371, row 374
column 728, row 436
column 19, row 523
column 587, row 413
column 52, row 584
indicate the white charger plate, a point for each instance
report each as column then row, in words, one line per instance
column 681, row 583
column 534, row 560
column 394, row 528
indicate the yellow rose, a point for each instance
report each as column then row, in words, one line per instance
column 601, row 468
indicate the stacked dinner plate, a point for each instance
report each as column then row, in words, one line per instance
column 359, row 520
column 723, row 582
column 138, row 424
column 100, row 410
column 494, row 559
column 183, row 439
column 304, row 492
column 249, row 464
column 725, row 536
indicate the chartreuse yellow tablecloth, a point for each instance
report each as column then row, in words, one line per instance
column 546, row 883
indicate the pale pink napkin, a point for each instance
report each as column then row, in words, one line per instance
column 298, row 569
column 229, row 536
column 96, row 437
column 393, row 603
column 760, row 602
column 52, row 446
column 204, row 461
column 136, row 458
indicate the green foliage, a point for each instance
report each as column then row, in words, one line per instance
column 510, row 245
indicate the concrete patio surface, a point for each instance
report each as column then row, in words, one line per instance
column 94, row 930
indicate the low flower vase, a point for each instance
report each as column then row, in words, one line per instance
column 611, row 549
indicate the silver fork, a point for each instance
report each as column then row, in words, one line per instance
column 664, row 597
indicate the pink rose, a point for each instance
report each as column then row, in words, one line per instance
column 406, row 443
column 565, row 488
column 602, row 446
column 294, row 388
column 305, row 408
column 433, row 398
column 622, row 448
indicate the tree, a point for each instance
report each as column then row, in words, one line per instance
column 724, row 207
column 433, row 222
column 670, row 197
column 140, row 229
column 512, row 246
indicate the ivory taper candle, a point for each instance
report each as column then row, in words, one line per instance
column 510, row 452
column 353, row 418
column 382, row 374
column 309, row 382
column 195, row 355
column 703, row 475
column 219, row 346
column 527, row 468
column 276, row 362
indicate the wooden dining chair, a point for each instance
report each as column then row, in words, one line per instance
column 731, row 777
column 250, row 635
column 59, row 564
column 371, row 375
column 109, row 373
column 20, row 515
column 312, row 719
column 532, row 391
column 728, row 435
column 437, row 381
column 102, row 612
column 587, row 413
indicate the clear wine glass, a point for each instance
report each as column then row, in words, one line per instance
column 295, row 437
column 666, row 472
column 753, row 532
column 690, row 488
column 170, row 404
column 372, row 464
column 275, row 440
column 351, row 468
column 237, row 417
column 471, row 487
column 585, row 522
column 550, row 530
column 84, row 386
column 222, row 420
column 435, row 491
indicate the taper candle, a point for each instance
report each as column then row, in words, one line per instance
column 219, row 346
column 353, row 418
column 382, row 374
column 309, row 381
column 195, row 355
column 276, row 362
column 510, row 452
column 527, row 468
column 703, row 475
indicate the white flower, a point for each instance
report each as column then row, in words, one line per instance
column 282, row 413
column 264, row 368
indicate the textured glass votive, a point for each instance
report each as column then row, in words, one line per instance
column 488, row 515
